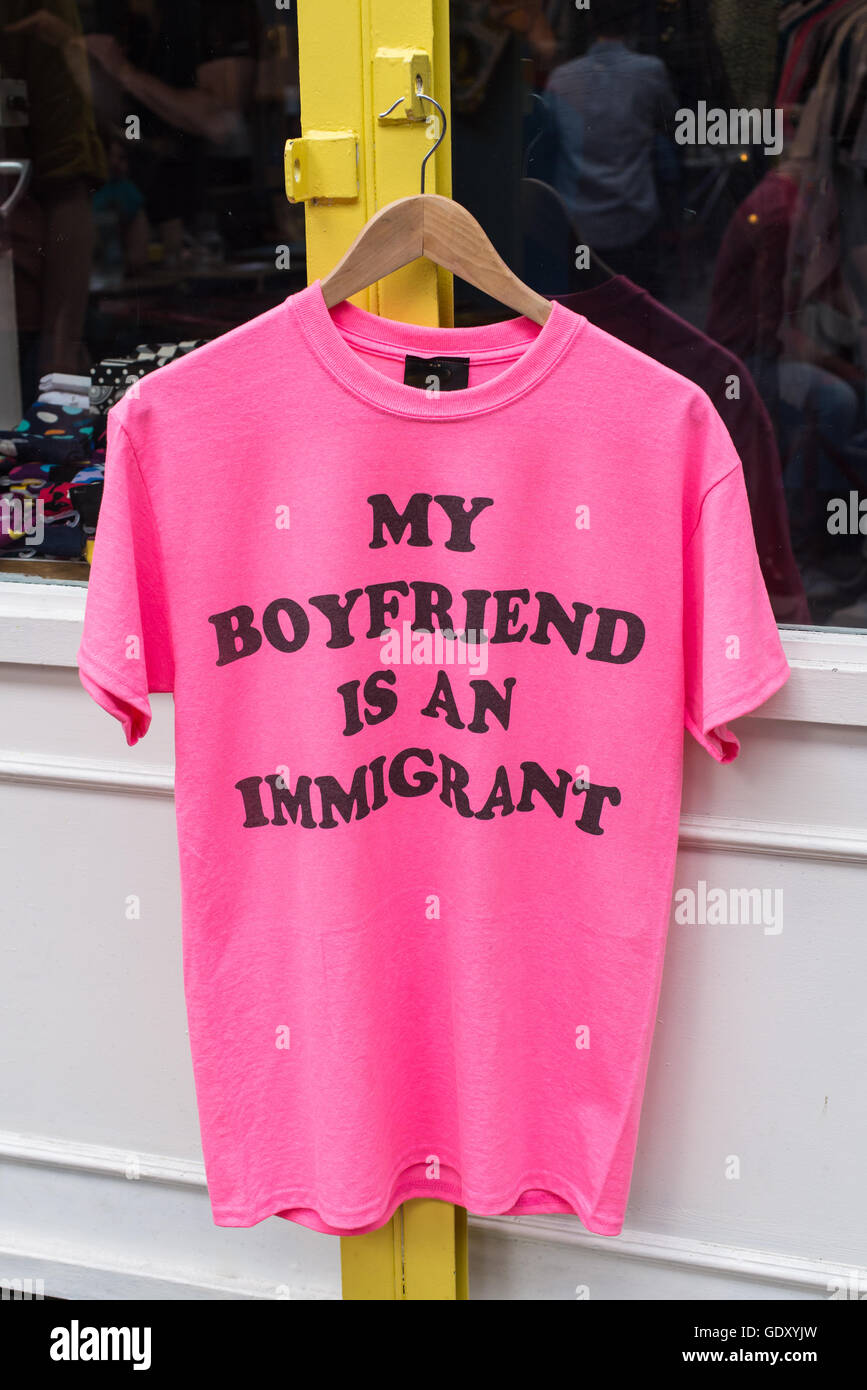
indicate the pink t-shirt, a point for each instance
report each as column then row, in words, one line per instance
column 426, row 878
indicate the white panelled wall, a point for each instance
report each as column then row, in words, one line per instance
column 750, row 1176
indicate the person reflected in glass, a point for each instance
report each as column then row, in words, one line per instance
column 608, row 108
column 798, row 343
column 185, row 71
column 52, row 226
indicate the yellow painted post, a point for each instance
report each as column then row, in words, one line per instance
column 349, row 74
column 420, row 1255
column 434, row 1251
column 356, row 58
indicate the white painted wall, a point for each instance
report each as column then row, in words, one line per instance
column 760, row 1051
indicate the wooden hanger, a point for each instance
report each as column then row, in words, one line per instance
column 443, row 231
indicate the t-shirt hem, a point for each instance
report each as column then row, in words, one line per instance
column 102, row 669
column 306, row 1211
column 718, row 718
column 106, row 687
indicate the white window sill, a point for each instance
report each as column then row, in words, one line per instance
column 40, row 625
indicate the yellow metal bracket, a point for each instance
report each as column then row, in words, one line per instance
column 322, row 164
column 401, row 73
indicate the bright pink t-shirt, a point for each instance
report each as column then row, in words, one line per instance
column 426, row 879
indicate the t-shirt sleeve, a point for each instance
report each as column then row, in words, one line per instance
column 125, row 650
column 733, row 656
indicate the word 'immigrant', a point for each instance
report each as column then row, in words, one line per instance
column 367, row 793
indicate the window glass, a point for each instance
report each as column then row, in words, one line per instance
column 690, row 176
column 142, row 174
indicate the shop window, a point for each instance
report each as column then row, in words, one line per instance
column 142, row 143
column 690, row 176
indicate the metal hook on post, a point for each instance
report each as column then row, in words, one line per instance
column 423, row 96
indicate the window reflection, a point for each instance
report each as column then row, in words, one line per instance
column 692, row 179
column 142, row 152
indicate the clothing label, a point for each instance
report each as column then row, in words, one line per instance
column 438, row 373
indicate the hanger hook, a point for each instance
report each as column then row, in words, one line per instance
column 422, row 96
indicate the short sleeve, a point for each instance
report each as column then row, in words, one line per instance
column 125, row 650
column 733, row 656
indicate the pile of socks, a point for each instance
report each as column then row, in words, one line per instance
column 52, row 465
column 51, row 473
column 114, row 376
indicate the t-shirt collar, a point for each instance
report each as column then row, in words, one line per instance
column 330, row 332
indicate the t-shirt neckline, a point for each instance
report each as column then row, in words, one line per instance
column 325, row 328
